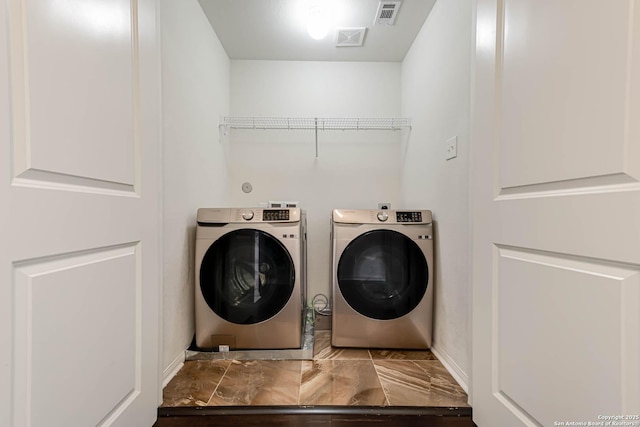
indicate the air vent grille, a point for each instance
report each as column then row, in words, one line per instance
column 387, row 12
column 346, row 37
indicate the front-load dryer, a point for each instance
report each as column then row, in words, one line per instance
column 382, row 278
column 250, row 278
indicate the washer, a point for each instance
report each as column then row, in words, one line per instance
column 382, row 278
column 250, row 278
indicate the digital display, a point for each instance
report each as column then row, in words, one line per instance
column 275, row 215
column 409, row 216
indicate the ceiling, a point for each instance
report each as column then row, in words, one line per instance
column 274, row 29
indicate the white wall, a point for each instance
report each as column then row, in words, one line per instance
column 435, row 95
column 353, row 169
column 195, row 85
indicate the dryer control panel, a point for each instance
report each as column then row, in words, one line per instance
column 415, row 216
column 222, row 216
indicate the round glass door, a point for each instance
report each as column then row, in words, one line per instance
column 247, row 276
column 383, row 274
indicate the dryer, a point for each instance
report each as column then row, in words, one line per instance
column 250, row 278
column 382, row 268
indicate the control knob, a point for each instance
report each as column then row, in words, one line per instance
column 247, row 216
column 383, row 216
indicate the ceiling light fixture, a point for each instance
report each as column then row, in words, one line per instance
column 318, row 20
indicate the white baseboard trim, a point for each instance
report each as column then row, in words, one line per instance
column 173, row 368
column 456, row 372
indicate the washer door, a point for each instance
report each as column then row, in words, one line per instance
column 247, row 276
column 383, row 274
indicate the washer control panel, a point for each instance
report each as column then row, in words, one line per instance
column 379, row 216
column 275, row 215
column 415, row 216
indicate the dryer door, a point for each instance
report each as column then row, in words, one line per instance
column 247, row 276
column 382, row 274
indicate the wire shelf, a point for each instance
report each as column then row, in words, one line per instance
column 312, row 123
column 315, row 123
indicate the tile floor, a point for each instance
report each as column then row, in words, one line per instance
column 335, row 377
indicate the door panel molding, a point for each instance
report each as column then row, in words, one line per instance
column 570, row 187
column 34, row 178
column 571, row 91
column 632, row 110
column 100, row 290
column 106, row 138
column 582, row 306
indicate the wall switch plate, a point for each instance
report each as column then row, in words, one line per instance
column 452, row 148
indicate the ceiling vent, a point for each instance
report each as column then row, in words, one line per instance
column 350, row 36
column 387, row 11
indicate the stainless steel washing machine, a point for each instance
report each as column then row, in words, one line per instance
column 250, row 278
column 382, row 278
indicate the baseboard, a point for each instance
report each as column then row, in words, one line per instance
column 456, row 372
column 173, row 368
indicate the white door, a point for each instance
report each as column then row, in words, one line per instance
column 556, row 171
column 79, row 130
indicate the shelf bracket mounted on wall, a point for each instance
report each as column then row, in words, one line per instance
column 312, row 123
column 316, row 135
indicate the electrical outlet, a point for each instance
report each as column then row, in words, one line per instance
column 452, row 148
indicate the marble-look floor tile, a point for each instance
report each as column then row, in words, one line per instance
column 419, row 383
column 340, row 382
column 259, row 382
column 194, row 384
column 322, row 349
column 402, row 354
